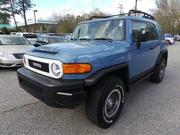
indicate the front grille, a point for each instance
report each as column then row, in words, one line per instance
column 18, row 55
column 39, row 65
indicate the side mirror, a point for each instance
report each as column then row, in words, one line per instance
column 142, row 37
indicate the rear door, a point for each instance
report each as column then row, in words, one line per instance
column 154, row 43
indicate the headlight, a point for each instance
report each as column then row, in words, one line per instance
column 6, row 55
column 24, row 61
column 56, row 69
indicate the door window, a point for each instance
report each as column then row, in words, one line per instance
column 137, row 28
column 153, row 35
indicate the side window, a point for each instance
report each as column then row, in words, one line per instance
column 137, row 28
column 153, row 35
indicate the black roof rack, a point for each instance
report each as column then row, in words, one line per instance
column 145, row 15
column 93, row 17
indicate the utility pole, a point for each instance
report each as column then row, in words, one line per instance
column 136, row 4
column 121, row 8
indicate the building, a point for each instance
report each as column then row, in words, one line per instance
column 8, row 26
column 39, row 26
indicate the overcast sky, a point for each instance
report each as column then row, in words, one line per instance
column 47, row 7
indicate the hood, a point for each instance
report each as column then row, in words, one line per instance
column 77, row 48
column 12, row 49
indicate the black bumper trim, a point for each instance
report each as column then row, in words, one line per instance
column 45, row 89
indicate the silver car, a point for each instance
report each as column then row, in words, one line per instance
column 12, row 49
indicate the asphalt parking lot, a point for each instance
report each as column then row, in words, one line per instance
column 150, row 109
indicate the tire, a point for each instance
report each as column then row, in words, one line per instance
column 100, row 100
column 168, row 42
column 159, row 71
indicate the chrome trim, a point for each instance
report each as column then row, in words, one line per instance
column 65, row 94
column 43, row 60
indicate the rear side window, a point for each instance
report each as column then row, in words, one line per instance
column 137, row 28
column 153, row 35
column 30, row 35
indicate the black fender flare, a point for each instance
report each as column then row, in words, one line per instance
column 93, row 79
column 161, row 54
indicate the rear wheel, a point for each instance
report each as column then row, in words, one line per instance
column 159, row 71
column 105, row 102
column 168, row 42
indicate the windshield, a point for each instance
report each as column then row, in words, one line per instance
column 168, row 36
column 56, row 39
column 13, row 41
column 100, row 30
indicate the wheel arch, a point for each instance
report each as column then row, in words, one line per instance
column 120, row 71
column 163, row 54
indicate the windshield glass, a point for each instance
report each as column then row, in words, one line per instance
column 13, row 41
column 56, row 39
column 100, row 30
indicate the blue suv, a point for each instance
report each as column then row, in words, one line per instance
column 104, row 58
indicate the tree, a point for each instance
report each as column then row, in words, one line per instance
column 13, row 9
column 67, row 23
column 23, row 6
column 5, row 30
column 4, row 12
column 168, row 15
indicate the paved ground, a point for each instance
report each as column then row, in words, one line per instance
column 150, row 109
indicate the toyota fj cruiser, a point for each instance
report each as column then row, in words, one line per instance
column 105, row 56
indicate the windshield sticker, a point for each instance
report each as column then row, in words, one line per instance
column 121, row 23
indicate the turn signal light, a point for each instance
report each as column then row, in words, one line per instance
column 76, row 68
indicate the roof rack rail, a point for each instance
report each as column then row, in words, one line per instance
column 145, row 15
column 93, row 17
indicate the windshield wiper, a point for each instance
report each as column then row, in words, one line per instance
column 84, row 38
column 109, row 39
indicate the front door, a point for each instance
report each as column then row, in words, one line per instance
column 141, row 58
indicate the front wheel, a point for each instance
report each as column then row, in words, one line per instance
column 159, row 71
column 105, row 102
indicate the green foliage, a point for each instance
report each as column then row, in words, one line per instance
column 22, row 5
column 5, row 30
column 68, row 22
column 168, row 15
column 4, row 12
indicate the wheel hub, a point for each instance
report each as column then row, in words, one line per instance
column 162, row 69
column 112, row 103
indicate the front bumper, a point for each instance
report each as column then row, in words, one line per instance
column 10, row 62
column 56, row 93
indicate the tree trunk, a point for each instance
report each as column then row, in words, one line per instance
column 13, row 15
column 15, row 22
column 24, row 15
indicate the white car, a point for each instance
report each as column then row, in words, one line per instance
column 169, row 38
column 12, row 49
column 31, row 37
column 177, row 37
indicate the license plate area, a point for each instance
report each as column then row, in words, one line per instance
column 39, row 65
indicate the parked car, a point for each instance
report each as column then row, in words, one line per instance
column 44, row 40
column 104, row 59
column 12, row 49
column 177, row 37
column 169, row 39
column 68, row 36
column 31, row 37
